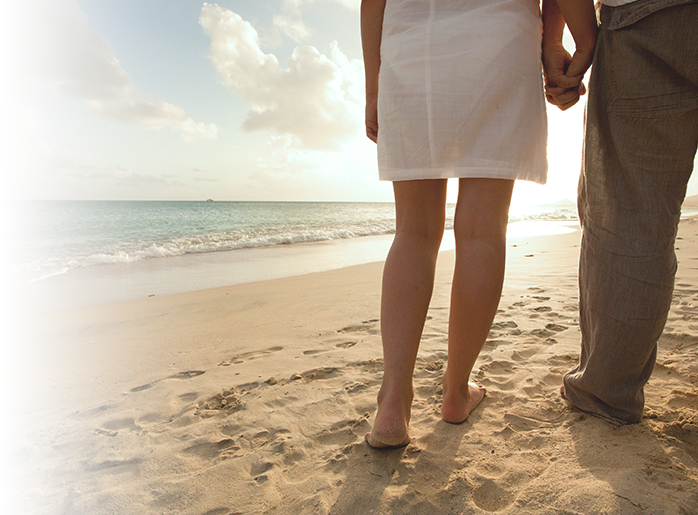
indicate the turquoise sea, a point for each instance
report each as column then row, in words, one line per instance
column 70, row 253
column 45, row 238
column 54, row 237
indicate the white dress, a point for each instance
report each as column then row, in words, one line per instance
column 460, row 90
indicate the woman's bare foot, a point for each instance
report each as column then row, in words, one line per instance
column 391, row 439
column 390, row 428
column 461, row 401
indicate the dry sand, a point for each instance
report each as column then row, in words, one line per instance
column 255, row 399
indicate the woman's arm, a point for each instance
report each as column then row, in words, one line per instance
column 371, row 31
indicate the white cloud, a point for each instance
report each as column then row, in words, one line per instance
column 60, row 47
column 291, row 27
column 290, row 22
column 19, row 122
column 52, row 160
column 315, row 100
column 289, row 173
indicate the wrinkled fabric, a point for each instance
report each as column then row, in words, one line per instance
column 640, row 145
column 460, row 90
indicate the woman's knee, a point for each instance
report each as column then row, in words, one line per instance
column 482, row 212
column 420, row 210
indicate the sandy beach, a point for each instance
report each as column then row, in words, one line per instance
column 255, row 398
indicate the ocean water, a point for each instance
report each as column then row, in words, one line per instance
column 53, row 237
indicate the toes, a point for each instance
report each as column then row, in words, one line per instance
column 477, row 392
column 563, row 393
column 478, row 384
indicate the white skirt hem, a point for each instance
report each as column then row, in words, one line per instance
column 537, row 176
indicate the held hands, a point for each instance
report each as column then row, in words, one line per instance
column 372, row 117
column 564, row 73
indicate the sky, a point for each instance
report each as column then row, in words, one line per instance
column 185, row 100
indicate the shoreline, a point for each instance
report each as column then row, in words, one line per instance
column 156, row 277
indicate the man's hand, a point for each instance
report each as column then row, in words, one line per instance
column 563, row 75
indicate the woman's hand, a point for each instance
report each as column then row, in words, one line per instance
column 372, row 117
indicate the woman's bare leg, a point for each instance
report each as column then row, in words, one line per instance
column 408, row 281
column 480, row 226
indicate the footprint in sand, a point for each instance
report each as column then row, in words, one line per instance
column 141, row 388
column 498, row 367
column 188, row 374
column 271, row 447
column 222, row 511
column 342, row 433
column 122, row 424
column 212, row 450
column 332, row 345
column 498, row 373
column 320, row 373
column 489, row 496
column 257, row 471
column 117, row 467
column 525, row 354
column 248, row 356
column 367, row 326
column 355, row 388
column 678, row 419
column 549, row 330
